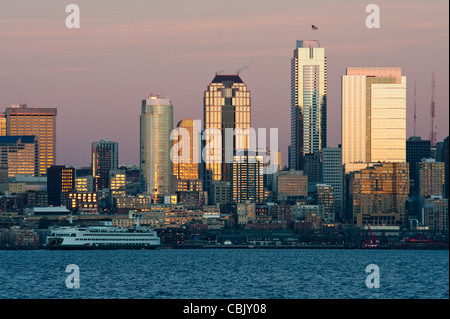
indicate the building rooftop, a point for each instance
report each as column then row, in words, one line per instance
column 220, row 78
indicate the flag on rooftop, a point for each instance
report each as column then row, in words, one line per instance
column 314, row 27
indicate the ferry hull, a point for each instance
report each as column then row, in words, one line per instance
column 102, row 247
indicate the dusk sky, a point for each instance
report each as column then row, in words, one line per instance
column 97, row 75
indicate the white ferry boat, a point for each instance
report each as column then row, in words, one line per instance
column 102, row 237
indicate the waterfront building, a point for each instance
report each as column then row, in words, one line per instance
column 40, row 122
column 378, row 194
column 373, row 116
column 156, row 125
column 308, row 101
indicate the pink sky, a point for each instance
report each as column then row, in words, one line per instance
column 97, row 75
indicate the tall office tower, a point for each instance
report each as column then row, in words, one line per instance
column 105, row 157
column 312, row 167
column 60, row 181
column 326, row 199
column 378, row 194
column 332, row 173
column 40, row 122
column 431, row 178
column 416, row 150
column 308, row 101
column 156, row 166
column 19, row 154
column 373, row 116
column 226, row 105
column 2, row 125
column 187, row 167
column 247, row 178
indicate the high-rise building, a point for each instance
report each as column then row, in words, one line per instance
column 332, row 173
column 105, row 158
column 40, row 122
column 373, row 116
column 19, row 155
column 378, row 194
column 247, row 182
column 60, row 181
column 431, row 178
column 416, row 150
column 156, row 125
column 326, row 199
column 308, row 101
column 188, row 147
column 226, row 106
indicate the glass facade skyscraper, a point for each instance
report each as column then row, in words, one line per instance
column 308, row 101
column 40, row 122
column 156, row 125
column 373, row 116
column 226, row 106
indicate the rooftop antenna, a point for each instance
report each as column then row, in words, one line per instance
column 415, row 114
column 433, row 113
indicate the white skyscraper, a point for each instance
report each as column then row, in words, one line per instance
column 373, row 116
column 308, row 101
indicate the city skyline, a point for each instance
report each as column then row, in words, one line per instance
column 95, row 76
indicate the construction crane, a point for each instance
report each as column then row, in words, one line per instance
column 372, row 241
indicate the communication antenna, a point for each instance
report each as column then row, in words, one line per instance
column 415, row 114
column 433, row 111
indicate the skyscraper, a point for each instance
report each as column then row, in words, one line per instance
column 60, row 181
column 105, row 158
column 189, row 157
column 332, row 173
column 308, row 101
column 247, row 178
column 373, row 116
column 226, row 106
column 416, row 150
column 156, row 166
column 40, row 122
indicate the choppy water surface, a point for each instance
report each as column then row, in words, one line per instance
column 224, row 274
